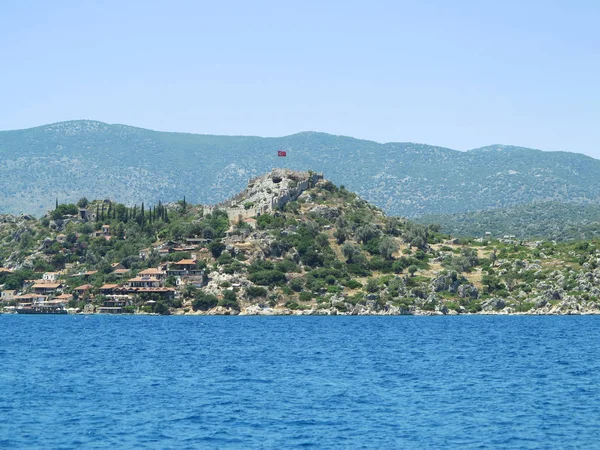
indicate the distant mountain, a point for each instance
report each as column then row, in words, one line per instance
column 69, row 160
column 545, row 220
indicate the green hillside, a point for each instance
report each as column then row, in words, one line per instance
column 69, row 160
column 545, row 220
column 326, row 251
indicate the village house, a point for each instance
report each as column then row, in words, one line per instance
column 120, row 272
column 30, row 299
column 81, row 290
column 8, row 295
column 106, row 230
column 50, row 277
column 66, row 298
column 144, row 281
column 157, row 273
column 108, row 289
column 162, row 292
column 197, row 241
column 46, row 288
column 196, row 281
column 114, row 305
column 86, row 215
column 185, row 267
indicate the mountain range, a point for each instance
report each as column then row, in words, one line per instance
column 69, row 160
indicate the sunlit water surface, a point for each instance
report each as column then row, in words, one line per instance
column 283, row 382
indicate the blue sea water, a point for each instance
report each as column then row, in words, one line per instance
column 286, row 382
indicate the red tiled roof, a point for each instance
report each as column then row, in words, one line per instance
column 46, row 286
column 187, row 262
column 84, row 287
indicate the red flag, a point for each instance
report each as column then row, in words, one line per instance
column 281, row 153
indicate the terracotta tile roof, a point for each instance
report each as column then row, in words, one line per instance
column 151, row 271
column 29, row 296
column 121, row 271
column 186, row 262
column 84, row 287
column 46, row 286
column 109, row 286
column 155, row 289
column 143, row 279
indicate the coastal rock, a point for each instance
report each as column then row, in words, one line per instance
column 493, row 304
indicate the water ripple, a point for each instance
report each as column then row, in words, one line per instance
column 306, row 382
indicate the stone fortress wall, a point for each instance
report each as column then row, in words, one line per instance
column 267, row 193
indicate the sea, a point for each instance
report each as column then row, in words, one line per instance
column 75, row 381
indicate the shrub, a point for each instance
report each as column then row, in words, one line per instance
column 256, row 291
column 306, row 296
column 296, row 284
column 268, row 277
column 372, row 285
column 353, row 284
column 204, row 301
column 216, row 248
column 229, row 300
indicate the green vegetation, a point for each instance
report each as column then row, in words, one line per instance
column 544, row 221
column 70, row 160
column 331, row 252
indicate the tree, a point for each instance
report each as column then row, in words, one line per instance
column 341, row 234
column 387, row 246
column 229, row 300
column 350, row 252
column 372, row 285
column 204, row 301
column 189, row 291
column 412, row 270
column 83, row 202
column 366, row 232
column 255, row 291
column 216, row 248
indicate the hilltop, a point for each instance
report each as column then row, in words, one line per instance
column 70, row 160
column 291, row 243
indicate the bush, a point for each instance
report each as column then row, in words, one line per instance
column 204, row 301
column 306, row 296
column 353, row 284
column 128, row 309
column 268, row 277
column 296, row 284
column 229, row 300
column 255, row 292
column 216, row 248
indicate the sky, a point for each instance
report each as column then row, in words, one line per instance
column 460, row 74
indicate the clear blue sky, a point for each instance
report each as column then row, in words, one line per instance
column 460, row 74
